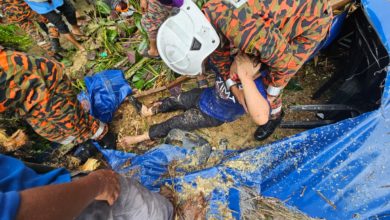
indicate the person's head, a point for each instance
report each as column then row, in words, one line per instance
column 186, row 39
column 243, row 61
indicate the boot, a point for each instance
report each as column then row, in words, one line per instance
column 87, row 149
column 264, row 131
column 56, row 49
column 109, row 141
column 55, row 45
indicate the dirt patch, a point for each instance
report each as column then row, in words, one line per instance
column 128, row 122
column 79, row 61
column 237, row 134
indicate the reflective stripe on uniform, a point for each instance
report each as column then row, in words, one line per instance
column 276, row 110
column 68, row 140
column 273, row 91
column 99, row 131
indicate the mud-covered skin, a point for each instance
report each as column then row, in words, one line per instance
column 281, row 34
column 193, row 118
column 18, row 12
column 38, row 90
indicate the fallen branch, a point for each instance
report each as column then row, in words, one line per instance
column 120, row 63
column 174, row 83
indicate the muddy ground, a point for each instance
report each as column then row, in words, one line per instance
column 238, row 134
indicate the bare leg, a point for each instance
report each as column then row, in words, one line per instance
column 153, row 47
column 71, row 38
column 127, row 141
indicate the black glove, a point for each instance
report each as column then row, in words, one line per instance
column 108, row 141
column 85, row 150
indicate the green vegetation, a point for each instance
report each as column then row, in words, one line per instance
column 13, row 37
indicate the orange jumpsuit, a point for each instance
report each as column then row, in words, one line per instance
column 281, row 34
column 39, row 91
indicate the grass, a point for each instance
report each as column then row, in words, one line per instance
column 12, row 36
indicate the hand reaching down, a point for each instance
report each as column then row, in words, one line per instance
column 109, row 186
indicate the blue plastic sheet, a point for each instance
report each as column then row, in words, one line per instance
column 106, row 90
column 339, row 171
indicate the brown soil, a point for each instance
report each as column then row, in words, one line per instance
column 238, row 134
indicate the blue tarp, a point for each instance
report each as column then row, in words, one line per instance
column 106, row 90
column 339, row 171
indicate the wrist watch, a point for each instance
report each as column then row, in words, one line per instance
column 229, row 83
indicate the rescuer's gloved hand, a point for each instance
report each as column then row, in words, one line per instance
column 108, row 141
column 85, row 150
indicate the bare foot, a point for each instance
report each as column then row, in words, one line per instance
column 127, row 141
column 145, row 111
column 153, row 52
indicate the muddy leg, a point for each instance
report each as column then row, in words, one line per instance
column 188, row 121
column 185, row 101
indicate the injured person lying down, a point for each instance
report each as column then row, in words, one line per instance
column 208, row 107
column 236, row 47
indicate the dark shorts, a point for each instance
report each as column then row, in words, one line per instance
column 68, row 10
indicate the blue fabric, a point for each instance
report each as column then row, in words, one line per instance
column 9, row 204
column 106, row 90
column 15, row 177
column 44, row 7
column 220, row 103
column 340, row 171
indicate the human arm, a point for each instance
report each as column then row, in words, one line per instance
column 66, row 201
column 256, row 105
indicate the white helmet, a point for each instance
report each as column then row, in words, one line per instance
column 186, row 39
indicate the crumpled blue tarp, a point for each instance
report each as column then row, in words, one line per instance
column 106, row 90
column 339, row 171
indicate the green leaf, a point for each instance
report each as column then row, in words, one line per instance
column 66, row 62
column 139, row 84
column 136, row 4
column 137, row 19
column 143, row 45
column 131, row 30
column 136, row 78
column 102, row 7
column 14, row 37
column 294, row 85
column 112, row 35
